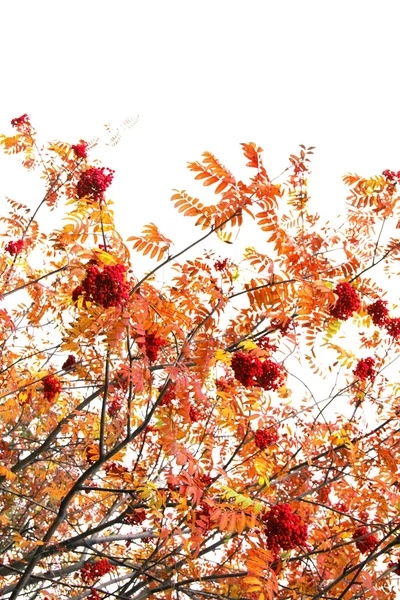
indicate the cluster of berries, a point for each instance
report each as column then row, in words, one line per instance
column 106, row 287
column 284, row 529
column 379, row 313
column 115, row 405
column 80, row 150
column 265, row 437
column 92, row 571
column 169, row 395
column 20, row 121
column 93, row 183
column 283, row 326
column 347, row 303
column 194, row 414
column 69, row 363
column 365, row 369
column 342, row 506
column 266, row 344
column 220, row 265
column 206, row 479
column 15, row 247
column 152, row 345
column 134, row 517
column 94, row 595
column 51, row 387
column 368, row 542
column 391, row 175
column 250, row 370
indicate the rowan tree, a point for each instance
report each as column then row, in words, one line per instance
column 230, row 430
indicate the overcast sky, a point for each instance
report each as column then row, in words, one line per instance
column 205, row 76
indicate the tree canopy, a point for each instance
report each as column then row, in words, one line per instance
column 229, row 429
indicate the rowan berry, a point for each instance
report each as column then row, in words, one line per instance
column 247, row 368
column 69, row 363
column 389, row 175
column 250, row 370
column 80, row 150
column 393, row 327
column 93, row 183
column 365, row 369
column 284, row 529
column 379, row 312
column 194, row 414
column 220, row 265
column 347, row 303
column 368, row 542
column 105, row 286
column 265, row 437
column 51, row 387
column 15, row 247
column 20, row 121
column 152, row 345
column 92, row 571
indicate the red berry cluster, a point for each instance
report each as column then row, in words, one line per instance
column 69, row 363
column 247, row 368
column 284, row 529
column 14, row 247
column 368, row 542
column 94, row 595
column 391, row 175
column 152, row 345
column 115, row 406
column 250, row 370
column 206, row 479
column 365, row 369
column 106, row 287
column 265, row 437
column 169, row 395
column 347, row 303
column 379, row 312
column 266, row 344
column 134, row 517
column 220, row 265
column 92, row 571
column 283, row 326
column 194, row 414
column 19, row 121
column 80, row 150
column 93, row 183
column 51, row 387
column 393, row 327
column 342, row 506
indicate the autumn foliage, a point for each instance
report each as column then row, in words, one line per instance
column 217, row 427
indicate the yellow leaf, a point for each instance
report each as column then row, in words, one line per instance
column 247, row 345
column 223, row 356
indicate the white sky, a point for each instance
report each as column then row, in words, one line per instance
column 204, row 76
